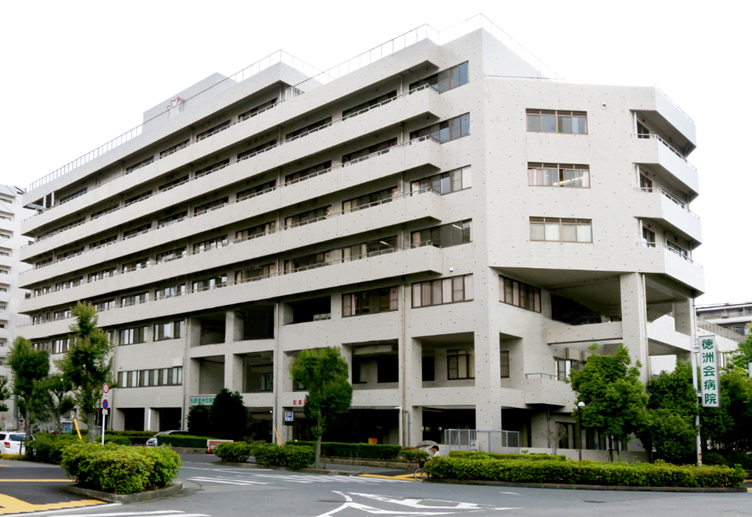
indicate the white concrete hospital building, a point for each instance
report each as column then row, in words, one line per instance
column 460, row 221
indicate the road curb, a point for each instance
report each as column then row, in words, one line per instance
column 175, row 488
column 274, row 467
column 584, row 487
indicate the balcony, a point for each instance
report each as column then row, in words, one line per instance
column 671, row 213
column 324, row 276
column 654, row 151
column 584, row 334
column 678, row 265
column 665, row 115
column 547, row 389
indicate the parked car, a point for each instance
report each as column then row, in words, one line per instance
column 152, row 442
column 10, row 443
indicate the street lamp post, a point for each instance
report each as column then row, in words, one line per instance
column 580, row 405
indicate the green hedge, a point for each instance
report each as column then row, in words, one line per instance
column 418, row 455
column 586, row 473
column 184, row 440
column 354, row 450
column 48, row 448
column 293, row 456
column 237, row 452
column 471, row 455
column 120, row 469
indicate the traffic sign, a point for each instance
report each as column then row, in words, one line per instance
column 105, row 404
column 288, row 418
column 105, row 388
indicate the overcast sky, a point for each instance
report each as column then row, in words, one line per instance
column 76, row 74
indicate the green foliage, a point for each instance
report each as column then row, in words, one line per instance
column 415, row 455
column 48, row 448
column 5, row 393
column 496, row 456
column 199, row 421
column 87, row 364
column 229, row 416
column 743, row 356
column 119, row 469
column 236, row 452
column 14, row 457
column 29, row 368
column 184, row 440
column 729, row 458
column 613, row 395
column 728, row 426
column 60, row 402
column 324, row 374
column 586, row 473
column 353, row 450
column 294, row 457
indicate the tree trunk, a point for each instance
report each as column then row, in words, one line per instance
column 28, row 429
column 91, row 420
column 317, row 461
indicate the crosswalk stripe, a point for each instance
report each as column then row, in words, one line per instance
column 227, row 481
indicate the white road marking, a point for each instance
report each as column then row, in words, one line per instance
column 227, row 481
column 308, row 479
column 509, row 493
column 155, row 513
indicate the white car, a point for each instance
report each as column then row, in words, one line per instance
column 152, row 442
column 10, row 443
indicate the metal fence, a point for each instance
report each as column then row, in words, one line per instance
column 506, row 442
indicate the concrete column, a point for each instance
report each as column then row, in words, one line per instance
column 152, row 419
column 634, row 320
column 416, row 425
column 683, row 317
column 234, row 372
column 230, row 318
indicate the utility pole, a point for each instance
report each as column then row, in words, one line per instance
column 695, row 348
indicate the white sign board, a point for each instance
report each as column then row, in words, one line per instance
column 709, row 380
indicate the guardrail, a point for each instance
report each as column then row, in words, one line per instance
column 545, row 376
column 721, row 331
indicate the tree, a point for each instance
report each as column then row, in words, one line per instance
column 614, row 397
column 60, row 402
column 5, row 394
column 670, row 417
column 29, row 367
column 323, row 372
column 87, row 364
column 199, row 421
column 228, row 416
column 743, row 356
column 728, row 425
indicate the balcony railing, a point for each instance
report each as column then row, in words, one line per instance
column 219, row 285
column 555, row 377
column 721, row 331
column 678, row 252
column 677, row 201
column 219, row 245
column 661, row 140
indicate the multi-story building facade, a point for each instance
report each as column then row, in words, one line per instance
column 462, row 226
column 736, row 317
column 12, row 212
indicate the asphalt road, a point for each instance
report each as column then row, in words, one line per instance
column 220, row 491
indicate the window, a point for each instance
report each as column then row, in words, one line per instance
column 255, row 191
column 175, row 218
column 134, row 299
column 428, row 368
column 205, row 171
column 133, row 336
column 520, row 295
column 69, row 197
column 256, row 231
column 133, row 232
column 210, row 244
column 213, row 282
column 250, row 153
column 646, row 183
column 452, row 181
column 4, row 271
column 6, row 235
column 105, row 305
column 369, row 152
column 174, row 183
column 108, row 241
column 61, row 315
column 135, row 265
column 303, row 175
column 565, row 367
column 311, row 128
column 171, row 330
column 104, row 211
column 444, row 236
column 173, row 149
column 6, row 217
column 642, row 131
column 100, row 275
column 443, row 291
column 4, row 252
column 446, row 131
column 372, row 301
column 387, row 369
column 308, row 217
column 258, row 109
column 446, row 79
column 368, row 105
column 142, row 163
column 676, row 249
column 69, row 254
column 311, row 261
column 648, row 238
column 504, row 364
column 169, row 292
column 60, row 346
column 167, row 256
column 558, row 175
column 136, row 199
column 67, row 284
column 377, row 247
column 212, row 131
column 383, row 196
column 554, row 229
column 267, row 381
column 145, row 378
column 557, row 121
column 460, row 365
column 254, row 273
column 213, row 205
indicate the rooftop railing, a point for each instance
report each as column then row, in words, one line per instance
column 316, row 77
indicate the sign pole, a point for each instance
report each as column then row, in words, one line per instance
column 104, row 419
column 696, row 387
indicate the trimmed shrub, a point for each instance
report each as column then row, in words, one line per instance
column 48, row 448
column 299, row 457
column 16, row 457
column 268, row 454
column 729, row 458
column 586, row 473
column 183, row 440
column 120, row 469
column 295, row 457
column 414, row 455
column 472, row 455
column 353, row 450
column 237, row 452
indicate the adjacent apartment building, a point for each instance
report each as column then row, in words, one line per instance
column 460, row 222
column 12, row 212
column 736, row 317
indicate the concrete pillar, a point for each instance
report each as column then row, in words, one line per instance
column 230, row 318
column 415, row 426
column 683, row 317
column 634, row 320
column 151, row 416
column 234, row 372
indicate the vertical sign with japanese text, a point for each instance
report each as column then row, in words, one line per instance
column 709, row 372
